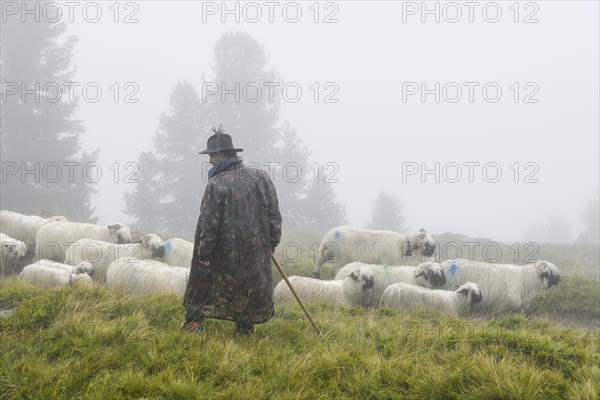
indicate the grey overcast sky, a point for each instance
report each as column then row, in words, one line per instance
column 517, row 87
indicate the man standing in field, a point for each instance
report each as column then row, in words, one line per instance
column 238, row 229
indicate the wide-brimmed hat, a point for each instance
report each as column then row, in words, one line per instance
column 219, row 141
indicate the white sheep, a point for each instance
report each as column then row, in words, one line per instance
column 178, row 252
column 428, row 274
column 83, row 267
column 24, row 227
column 44, row 275
column 147, row 276
column 13, row 254
column 344, row 244
column 506, row 286
column 408, row 297
column 101, row 254
column 53, row 238
column 356, row 289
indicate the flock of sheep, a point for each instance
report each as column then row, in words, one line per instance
column 371, row 276
column 55, row 252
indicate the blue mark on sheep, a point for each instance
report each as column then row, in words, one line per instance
column 453, row 268
column 337, row 235
column 168, row 245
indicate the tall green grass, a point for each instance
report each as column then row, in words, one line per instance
column 99, row 343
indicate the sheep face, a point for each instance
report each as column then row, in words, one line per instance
column 362, row 277
column 154, row 244
column 421, row 243
column 13, row 250
column 119, row 233
column 84, row 267
column 472, row 290
column 432, row 273
column 548, row 272
column 79, row 279
column 425, row 242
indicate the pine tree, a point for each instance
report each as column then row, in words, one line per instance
column 175, row 175
column 387, row 213
column 39, row 134
column 253, row 120
column 172, row 177
column 240, row 62
column 143, row 202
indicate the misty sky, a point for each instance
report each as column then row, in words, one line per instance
column 374, row 58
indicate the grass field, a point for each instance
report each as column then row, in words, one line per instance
column 101, row 343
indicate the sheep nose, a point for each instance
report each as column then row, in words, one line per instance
column 429, row 250
column 160, row 252
column 438, row 279
column 369, row 282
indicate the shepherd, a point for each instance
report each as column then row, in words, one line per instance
column 237, row 232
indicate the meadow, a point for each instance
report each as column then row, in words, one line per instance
column 101, row 343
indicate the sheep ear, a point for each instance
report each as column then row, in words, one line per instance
column 354, row 274
column 463, row 291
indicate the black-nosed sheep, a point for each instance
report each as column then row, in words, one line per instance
column 355, row 289
column 506, row 286
column 53, row 238
column 101, row 254
column 428, row 274
column 404, row 296
column 344, row 244
column 47, row 275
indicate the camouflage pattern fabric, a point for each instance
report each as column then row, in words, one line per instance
column 239, row 223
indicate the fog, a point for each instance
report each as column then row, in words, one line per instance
column 505, row 160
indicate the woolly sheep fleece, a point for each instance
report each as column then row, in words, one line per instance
column 101, row 254
column 345, row 244
column 53, row 238
column 431, row 276
column 356, row 289
column 47, row 276
column 506, row 287
column 404, row 296
column 147, row 276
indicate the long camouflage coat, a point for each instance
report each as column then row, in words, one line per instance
column 239, row 223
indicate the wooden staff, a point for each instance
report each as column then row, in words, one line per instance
column 285, row 278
